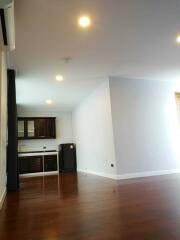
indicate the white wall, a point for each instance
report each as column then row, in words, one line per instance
column 145, row 125
column 63, row 130
column 3, row 124
column 92, row 131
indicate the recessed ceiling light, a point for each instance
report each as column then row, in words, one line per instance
column 59, row 78
column 178, row 39
column 84, row 21
column 48, row 101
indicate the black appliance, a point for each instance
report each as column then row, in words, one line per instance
column 67, row 157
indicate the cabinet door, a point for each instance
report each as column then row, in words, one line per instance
column 45, row 128
column 30, row 164
column 23, row 165
column 30, row 128
column 50, row 128
column 21, row 128
column 35, row 164
column 40, row 128
column 50, row 163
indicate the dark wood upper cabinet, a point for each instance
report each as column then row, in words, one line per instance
column 50, row 126
column 41, row 128
column 21, row 128
column 36, row 128
column 45, row 128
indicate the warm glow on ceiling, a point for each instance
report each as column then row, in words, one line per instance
column 84, row 21
column 59, row 78
column 178, row 39
column 48, row 101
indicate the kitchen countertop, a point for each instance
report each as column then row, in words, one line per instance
column 37, row 153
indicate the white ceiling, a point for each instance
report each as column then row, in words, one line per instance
column 132, row 38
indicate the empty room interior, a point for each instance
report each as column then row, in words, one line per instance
column 90, row 119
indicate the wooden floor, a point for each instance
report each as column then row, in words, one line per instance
column 87, row 207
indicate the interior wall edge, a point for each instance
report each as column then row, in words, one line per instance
column 92, row 132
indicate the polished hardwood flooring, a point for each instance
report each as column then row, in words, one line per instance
column 87, row 207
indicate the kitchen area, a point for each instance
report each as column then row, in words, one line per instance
column 43, row 146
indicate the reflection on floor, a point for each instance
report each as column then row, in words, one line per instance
column 88, row 207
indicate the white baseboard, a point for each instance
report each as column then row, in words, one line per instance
column 39, row 174
column 2, row 198
column 131, row 175
column 146, row 174
column 101, row 174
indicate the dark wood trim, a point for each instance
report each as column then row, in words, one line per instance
column 32, row 118
column 12, row 156
column 34, row 138
column 3, row 24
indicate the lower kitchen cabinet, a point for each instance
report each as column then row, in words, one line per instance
column 41, row 164
column 32, row 164
column 50, row 163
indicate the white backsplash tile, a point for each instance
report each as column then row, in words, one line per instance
column 37, row 145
